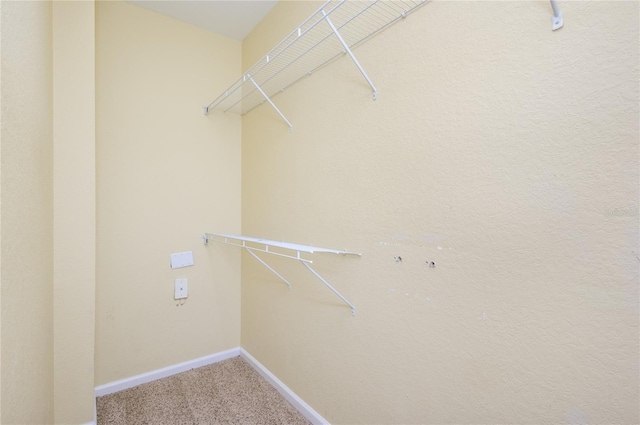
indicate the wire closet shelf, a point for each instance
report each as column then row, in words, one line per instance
column 330, row 32
column 288, row 250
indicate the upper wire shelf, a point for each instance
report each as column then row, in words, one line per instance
column 330, row 32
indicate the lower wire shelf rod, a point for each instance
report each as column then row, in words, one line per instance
column 291, row 251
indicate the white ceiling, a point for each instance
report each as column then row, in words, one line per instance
column 232, row 18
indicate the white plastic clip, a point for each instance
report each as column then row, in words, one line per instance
column 557, row 20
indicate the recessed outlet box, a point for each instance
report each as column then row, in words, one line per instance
column 181, row 289
column 181, row 259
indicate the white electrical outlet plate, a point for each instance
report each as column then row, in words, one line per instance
column 181, row 259
column 181, row 289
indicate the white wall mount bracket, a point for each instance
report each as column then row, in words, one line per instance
column 557, row 21
column 286, row 250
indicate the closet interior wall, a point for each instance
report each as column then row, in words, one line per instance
column 164, row 173
column 501, row 151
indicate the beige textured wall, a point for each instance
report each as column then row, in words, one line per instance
column 74, row 210
column 504, row 152
column 0, row 211
column 26, row 251
column 166, row 173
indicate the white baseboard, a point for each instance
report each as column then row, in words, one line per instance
column 302, row 407
column 123, row 384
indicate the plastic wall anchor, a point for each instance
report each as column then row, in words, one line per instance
column 557, row 22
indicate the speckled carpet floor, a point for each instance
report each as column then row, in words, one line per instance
column 228, row 392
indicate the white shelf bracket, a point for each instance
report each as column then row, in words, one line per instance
column 557, row 21
column 353, row 309
column 271, row 103
column 350, row 53
column 268, row 267
column 241, row 242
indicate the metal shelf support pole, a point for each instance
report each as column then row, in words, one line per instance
column 350, row 53
column 271, row 103
column 269, row 267
column 353, row 309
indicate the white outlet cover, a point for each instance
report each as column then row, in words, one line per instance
column 181, row 259
column 181, row 289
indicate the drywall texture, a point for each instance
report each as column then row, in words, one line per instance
column 505, row 153
column 0, row 210
column 166, row 173
column 74, row 210
column 26, row 250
